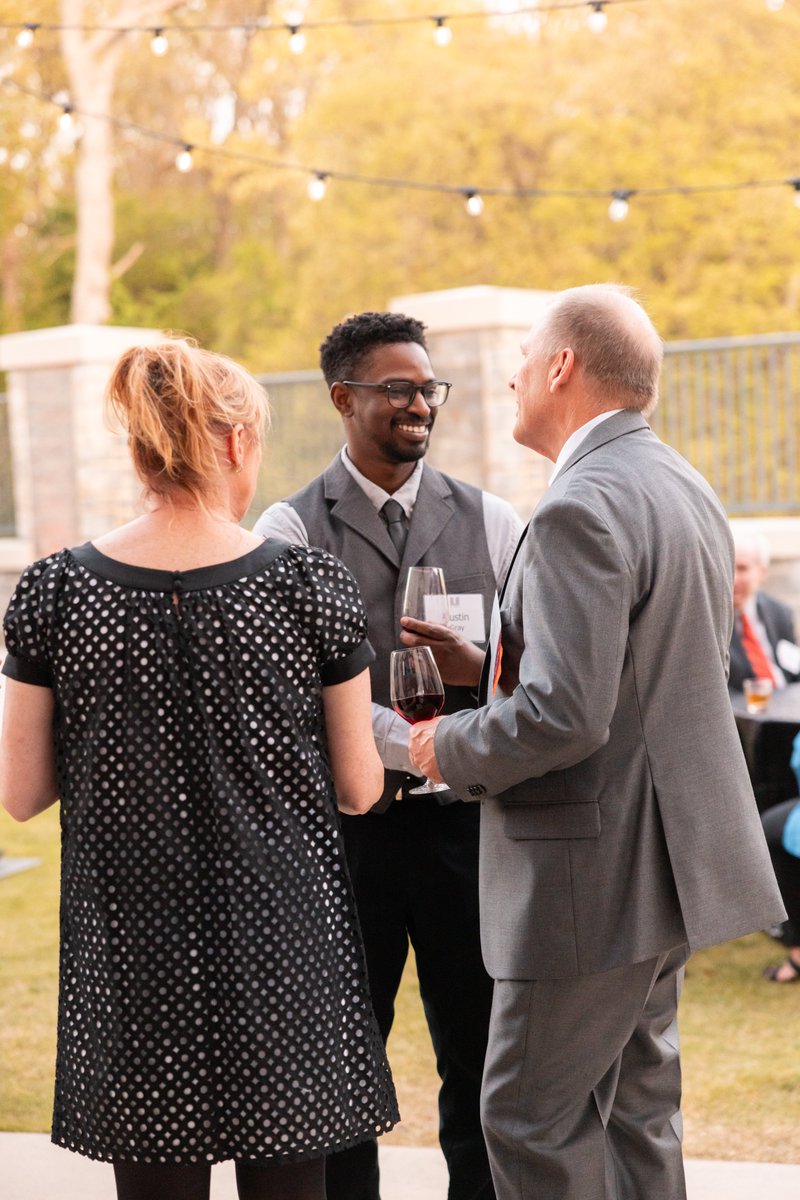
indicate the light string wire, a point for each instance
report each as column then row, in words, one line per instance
column 266, row 24
column 467, row 191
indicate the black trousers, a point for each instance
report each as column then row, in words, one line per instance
column 786, row 867
column 415, row 875
column 275, row 1180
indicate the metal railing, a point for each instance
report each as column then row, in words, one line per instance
column 7, row 522
column 728, row 405
column 306, row 433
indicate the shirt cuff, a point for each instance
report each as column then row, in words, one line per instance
column 391, row 737
column 24, row 670
column 339, row 670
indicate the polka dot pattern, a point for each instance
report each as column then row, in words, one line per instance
column 213, row 995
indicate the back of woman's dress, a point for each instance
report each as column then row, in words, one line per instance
column 213, row 996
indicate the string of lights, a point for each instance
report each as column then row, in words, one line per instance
column 296, row 24
column 474, row 196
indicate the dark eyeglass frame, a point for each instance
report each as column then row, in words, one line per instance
column 401, row 393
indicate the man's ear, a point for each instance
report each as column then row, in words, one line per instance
column 561, row 369
column 342, row 399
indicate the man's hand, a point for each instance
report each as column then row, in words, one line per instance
column 420, row 747
column 459, row 661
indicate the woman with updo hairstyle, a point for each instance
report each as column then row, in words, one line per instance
column 198, row 700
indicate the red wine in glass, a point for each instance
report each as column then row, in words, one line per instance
column 417, row 693
column 419, row 708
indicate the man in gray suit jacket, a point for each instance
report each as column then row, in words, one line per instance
column 618, row 828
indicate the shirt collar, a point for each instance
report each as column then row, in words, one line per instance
column 406, row 494
column 750, row 608
column 574, row 440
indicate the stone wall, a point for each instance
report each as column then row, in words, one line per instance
column 474, row 337
column 72, row 474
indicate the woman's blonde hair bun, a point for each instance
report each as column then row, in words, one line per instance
column 178, row 404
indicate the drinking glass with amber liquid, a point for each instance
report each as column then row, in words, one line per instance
column 757, row 693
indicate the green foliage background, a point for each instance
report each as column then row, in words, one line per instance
column 673, row 93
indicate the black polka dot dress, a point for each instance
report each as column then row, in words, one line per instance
column 213, row 997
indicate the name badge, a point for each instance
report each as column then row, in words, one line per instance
column 466, row 616
column 788, row 656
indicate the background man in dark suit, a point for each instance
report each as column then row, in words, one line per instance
column 413, row 859
column 618, row 829
column 763, row 641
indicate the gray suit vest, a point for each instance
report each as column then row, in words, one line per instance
column 447, row 530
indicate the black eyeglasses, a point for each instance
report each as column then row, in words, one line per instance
column 401, row 393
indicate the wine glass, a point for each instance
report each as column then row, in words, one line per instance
column 417, row 693
column 425, row 596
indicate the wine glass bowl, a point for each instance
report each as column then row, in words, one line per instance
column 425, row 595
column 417, row 694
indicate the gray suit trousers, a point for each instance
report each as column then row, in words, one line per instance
column 582, row 1085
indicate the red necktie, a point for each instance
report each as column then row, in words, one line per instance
column 760, row 664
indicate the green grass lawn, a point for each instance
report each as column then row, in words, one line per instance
column 740, row 1035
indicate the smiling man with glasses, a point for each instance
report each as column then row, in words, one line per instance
column 413, row 859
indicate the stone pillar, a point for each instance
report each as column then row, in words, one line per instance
column 72, row 474
column 474, row 336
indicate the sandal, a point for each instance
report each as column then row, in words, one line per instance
column 771, row 973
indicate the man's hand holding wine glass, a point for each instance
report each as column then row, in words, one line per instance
column 424, row 623
column 459, row 661
column 420, row 747
column 431, row 644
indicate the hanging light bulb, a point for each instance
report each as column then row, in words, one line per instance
column 65, row 121
column 318, row 186
column 25, row 36
column 297, row 39
column 597, row 19
column 775, row 5
column 619, row 207
column 473, row 203
column 442, row 34
column 184, row 161
column 159, row 44
column 796, row 186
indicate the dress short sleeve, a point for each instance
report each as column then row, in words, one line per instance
column 340, row 621
column 26, row 625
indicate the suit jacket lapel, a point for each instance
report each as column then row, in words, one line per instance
column 433, row 509
column 484, row 686
column 765, row 617
column 620, row 424
column 522, row 537
column 350, row 505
